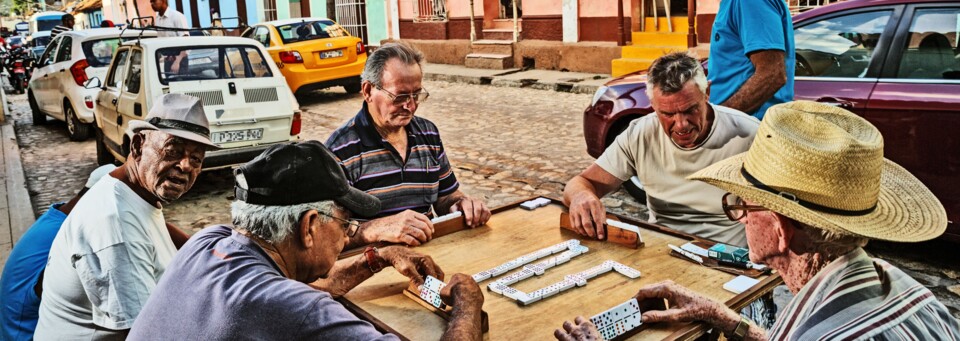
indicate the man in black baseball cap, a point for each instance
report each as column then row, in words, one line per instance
column 274, row 274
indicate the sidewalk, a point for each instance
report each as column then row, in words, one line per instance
column 16, row 213
column 586, row 83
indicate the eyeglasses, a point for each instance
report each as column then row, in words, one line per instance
column 398, row 100
column 350, row 227
column 735, row 209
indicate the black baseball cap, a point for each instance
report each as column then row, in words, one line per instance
column 298, row 173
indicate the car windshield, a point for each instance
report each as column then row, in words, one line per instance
column 99, row 53
column 18, row 40
column 310, row 30
column 216, row 62
column 47, row 24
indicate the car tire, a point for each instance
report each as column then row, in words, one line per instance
column 352, row 88
column 78, row 130
column 103, row 154
column 39, row 118
column 635, row 188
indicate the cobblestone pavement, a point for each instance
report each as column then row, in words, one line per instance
column 505, row 143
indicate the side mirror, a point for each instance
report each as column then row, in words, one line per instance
column 93, row 83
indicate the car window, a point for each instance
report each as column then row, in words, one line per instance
column 113, row 80
column 99, row 53
column 302, row 31
column 840, row 46
column 49, row 52
column 931, row 51
column 262, row 35
column 218, row 62
column 132, row 84
column 66, row 50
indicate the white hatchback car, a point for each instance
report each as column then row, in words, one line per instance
column 57, row 85
column 246, row 99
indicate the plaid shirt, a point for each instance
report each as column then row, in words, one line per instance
column 372, row 165
column 859, row 298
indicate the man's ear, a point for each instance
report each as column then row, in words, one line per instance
column 136, row 145
column 785, row 229
column 309, row 229
column 709, row 83
column 366, row 89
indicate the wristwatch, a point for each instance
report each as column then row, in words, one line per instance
column 374, row 261
column 740, row 332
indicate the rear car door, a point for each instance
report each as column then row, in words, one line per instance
column 837, row 59
column 916, row 104
column 108, row 98
column 129, row 107
column 60, row 75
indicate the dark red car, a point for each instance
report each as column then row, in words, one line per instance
column 894, row 62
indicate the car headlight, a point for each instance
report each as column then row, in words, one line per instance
column 599, row 94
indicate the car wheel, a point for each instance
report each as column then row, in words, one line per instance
column 39, row 118
column 352, row 88
column 635, row 188
column 78, row 130
column 103, row 154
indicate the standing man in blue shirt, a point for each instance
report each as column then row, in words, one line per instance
column 20, row 285
column 752, row 55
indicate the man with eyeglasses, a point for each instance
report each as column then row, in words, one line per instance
column 274, row 275
column 397, row 157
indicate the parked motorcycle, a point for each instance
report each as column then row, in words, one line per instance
column 19, row 66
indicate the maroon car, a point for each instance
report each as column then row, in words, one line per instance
column 894, row 62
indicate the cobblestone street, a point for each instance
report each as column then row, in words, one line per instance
column 505, row 143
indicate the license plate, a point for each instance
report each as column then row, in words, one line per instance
column 331, row 54
column 237, row 135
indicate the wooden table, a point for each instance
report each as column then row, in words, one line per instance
column 514, row 231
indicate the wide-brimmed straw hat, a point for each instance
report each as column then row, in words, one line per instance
column 824, row 166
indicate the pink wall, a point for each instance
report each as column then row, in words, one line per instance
column 543, row 7
column 602, row 8
column 461, row 8
column 707, row 6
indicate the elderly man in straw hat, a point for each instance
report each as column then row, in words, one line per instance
column 812, row 190
column 114, row 245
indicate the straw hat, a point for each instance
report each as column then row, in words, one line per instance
column 824, row 166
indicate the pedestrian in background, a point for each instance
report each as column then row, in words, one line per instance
column 66, row 24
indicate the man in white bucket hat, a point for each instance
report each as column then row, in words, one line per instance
column 812, row 190
column 115, row 244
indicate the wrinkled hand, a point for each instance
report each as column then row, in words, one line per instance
column 587, row 215
column 415, row 266
column 475, row 212
column 407, row 227
column 685, row 305
column 463, row 293
column 580, row 330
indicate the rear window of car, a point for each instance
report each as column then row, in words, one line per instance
column 100, row 52
column 211, row 62
column 310, row 30
column 41, row 41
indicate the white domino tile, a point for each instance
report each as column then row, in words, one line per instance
column 571, row 247
column 430, row 291
column 446, row 217
column 618, row 320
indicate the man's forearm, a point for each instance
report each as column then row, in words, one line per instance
column 769, row 77
column 577, row 185
column 444, row 204
column 345, row 275
column 464, row 325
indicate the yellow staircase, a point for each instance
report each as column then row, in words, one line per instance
column 651, row 44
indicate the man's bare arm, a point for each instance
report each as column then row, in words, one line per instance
column 345, row 275
column 770, row 76
column 582, row 195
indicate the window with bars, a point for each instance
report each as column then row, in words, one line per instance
column 270, row 10
column 430, row 10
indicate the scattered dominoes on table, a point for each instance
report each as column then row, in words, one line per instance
column 430, row 292
column 572, row 245
column 446, row 217
column 618, row 320
column 535, row 203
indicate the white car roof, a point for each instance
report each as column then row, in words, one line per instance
column 294, row 21
column 159, row 43
column 96, row 33
column 41, row 34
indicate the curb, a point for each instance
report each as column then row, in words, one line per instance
column 18, row 198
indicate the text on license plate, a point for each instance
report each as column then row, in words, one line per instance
column 237, row 135
column 331, row 54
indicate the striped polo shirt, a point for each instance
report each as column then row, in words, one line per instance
column 859, row 298
column 374, row 166
column 57, row 30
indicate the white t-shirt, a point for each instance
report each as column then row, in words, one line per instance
column 104, row 262
column 171, row 18
column 690, row 206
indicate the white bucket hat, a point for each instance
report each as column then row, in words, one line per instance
column 178, row 115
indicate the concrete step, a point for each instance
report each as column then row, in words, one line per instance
column 489, row 61
column 499, row 34
column 624, row 66
column 680, row 24
column 659, row 39
column 504, row 47
column 648, row 52
column 505, row 24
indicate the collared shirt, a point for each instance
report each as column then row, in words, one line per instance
column 856, row 298
column 57, row 30
column 374, row 166
column 20, row 304
column 222, row 286
column 171, row 19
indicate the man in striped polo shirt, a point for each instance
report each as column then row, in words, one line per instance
column 66, row 24
column 389, row 153
column 811, row 227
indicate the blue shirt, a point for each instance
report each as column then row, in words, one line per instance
column 743, row 27
column 222, row 286
column 21, row 306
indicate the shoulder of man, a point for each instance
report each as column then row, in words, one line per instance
column 739, row 119
column 426, row 126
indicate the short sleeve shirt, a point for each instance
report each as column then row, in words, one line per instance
column 171, row 18
column 741, row 28
column 374, row 166
column 645, row 151
column 103, row 265
column 222, row 286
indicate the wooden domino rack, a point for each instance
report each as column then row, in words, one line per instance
column 514, row 231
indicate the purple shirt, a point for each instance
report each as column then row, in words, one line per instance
column 222, row 286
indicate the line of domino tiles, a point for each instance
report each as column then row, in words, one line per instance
column 578, row 279
column 570, row 245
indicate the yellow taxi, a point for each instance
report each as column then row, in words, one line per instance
column 312, row 53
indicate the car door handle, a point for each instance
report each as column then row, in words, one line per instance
column 836, row 102
column 114, row 101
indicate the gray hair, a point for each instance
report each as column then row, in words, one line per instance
column 832, row 244
column 276, row 223
column 671, row 72
column 377, row 61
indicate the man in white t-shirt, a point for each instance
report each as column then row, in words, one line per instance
column 177, row 26
column 685, row 135
column 114, row 246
